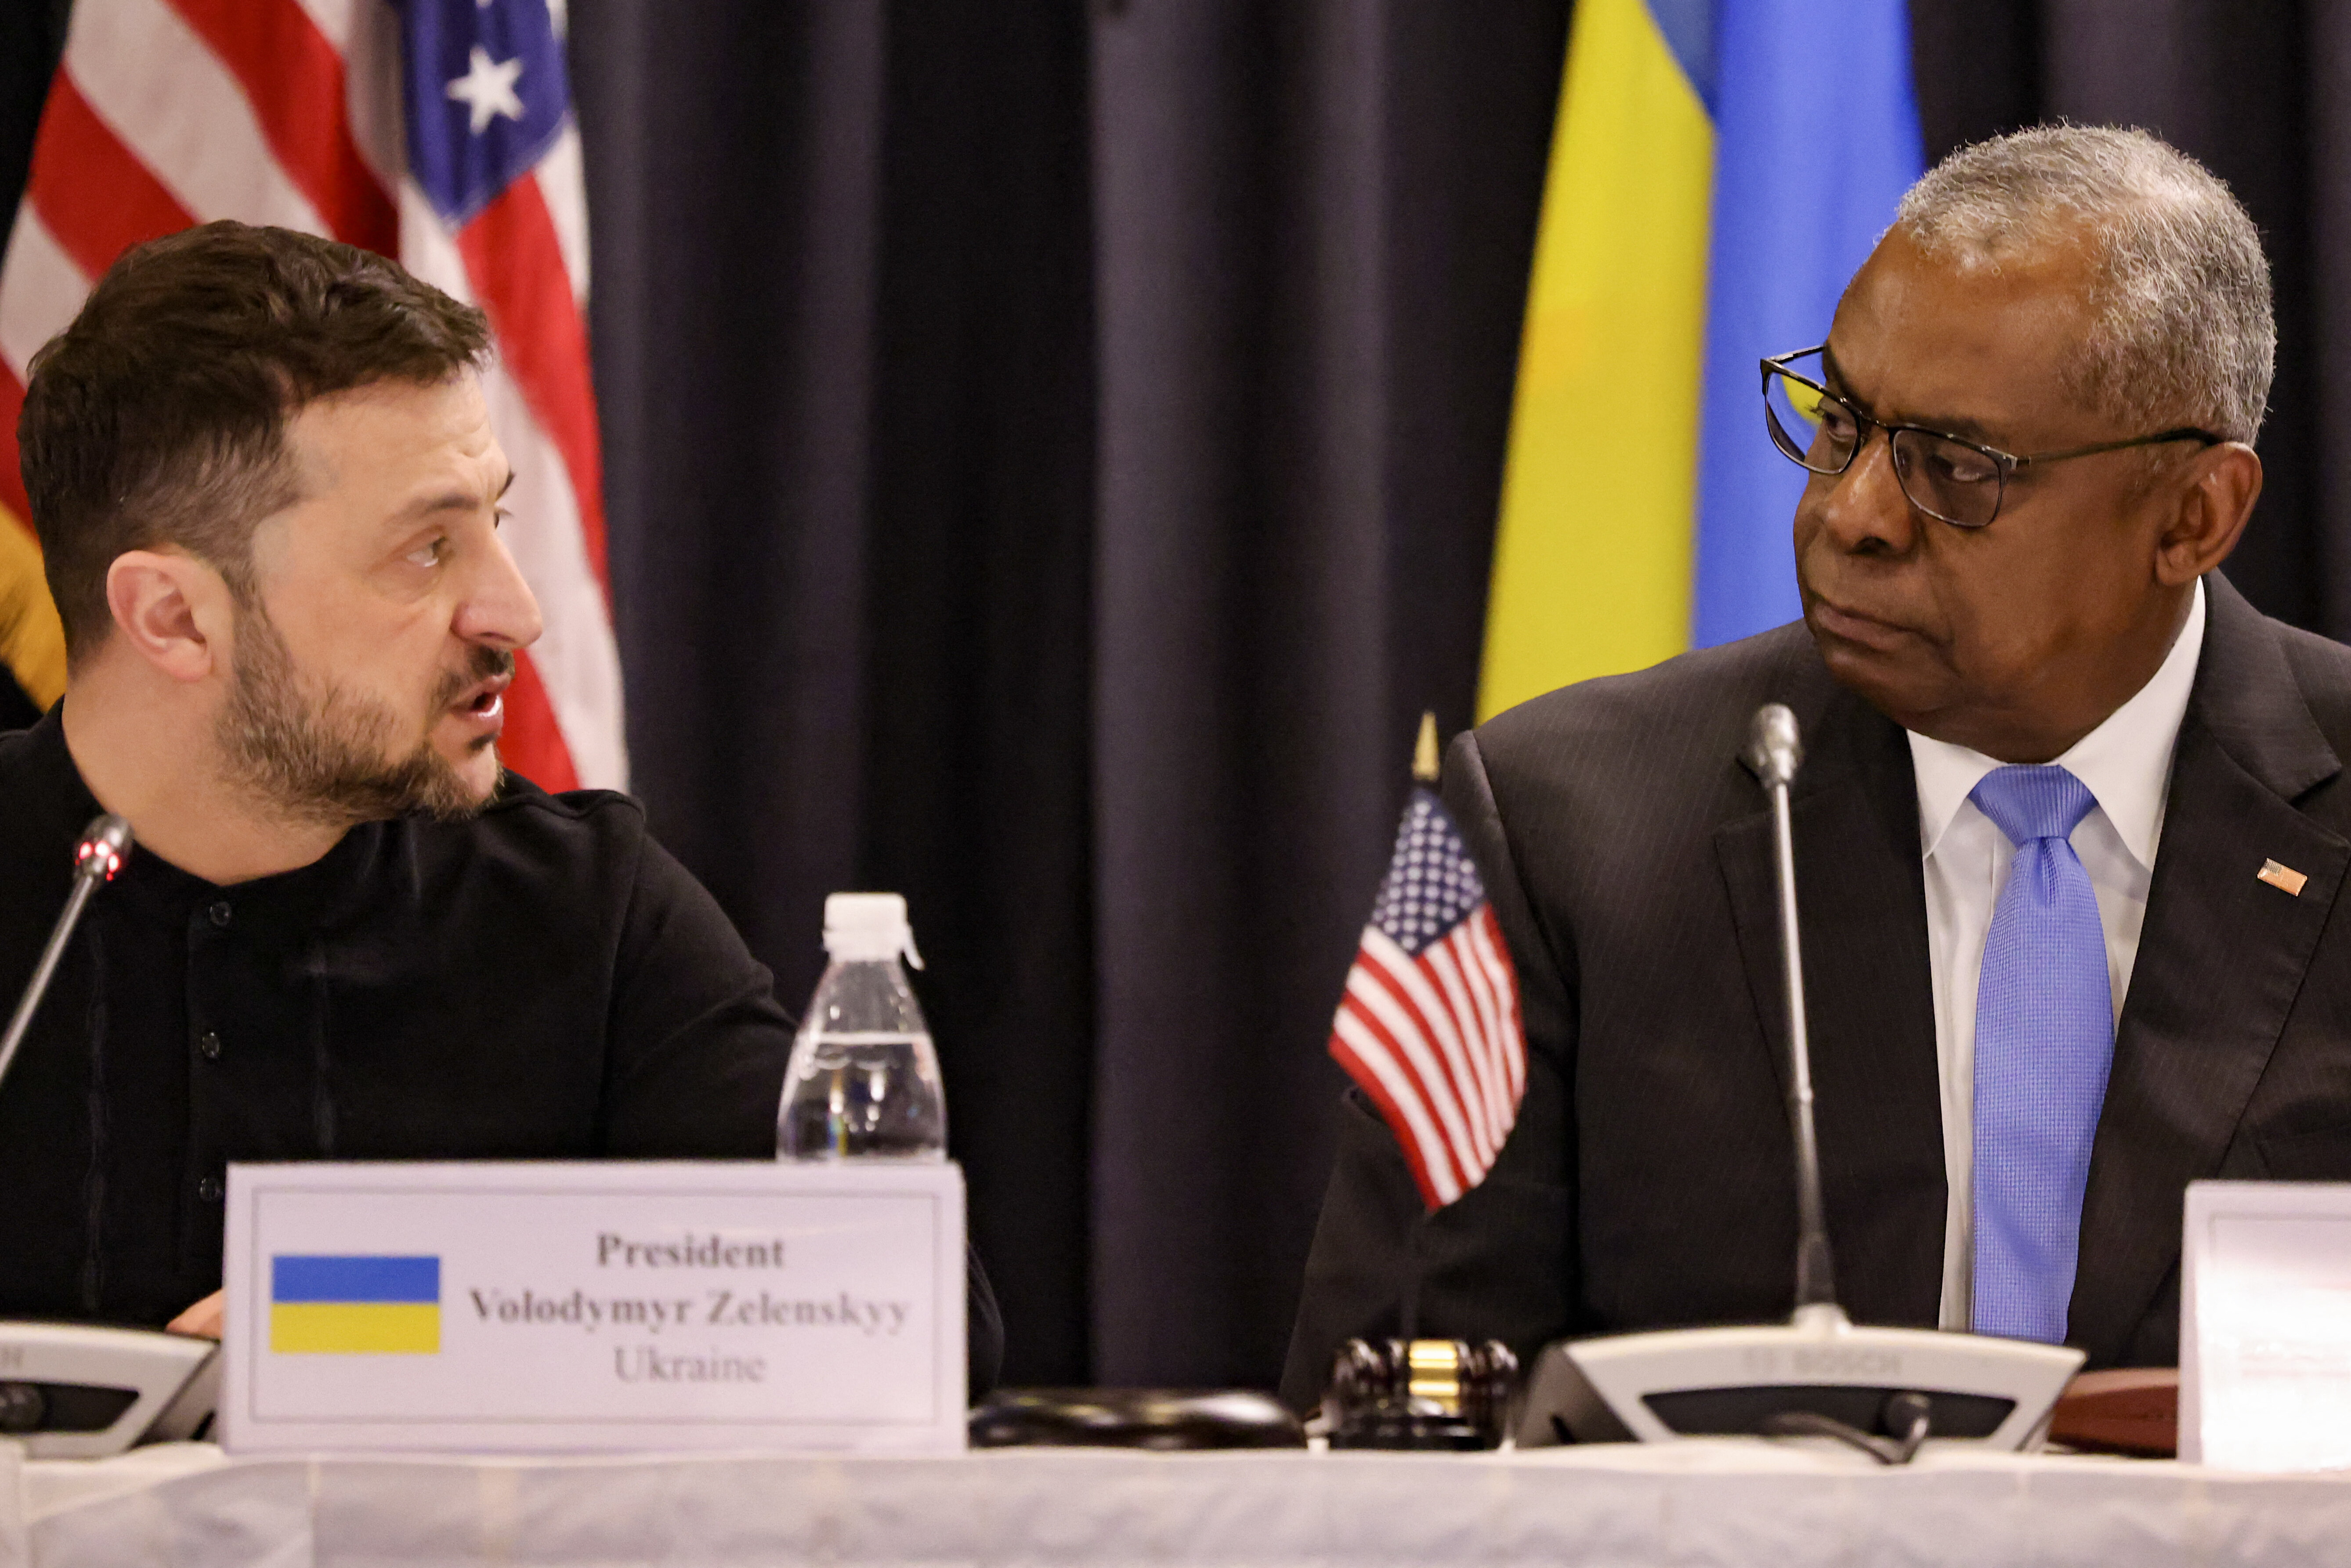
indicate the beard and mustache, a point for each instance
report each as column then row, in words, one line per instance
column 327, row 758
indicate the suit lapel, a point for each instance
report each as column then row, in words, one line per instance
column 1877, row 1098
column 2220, row 958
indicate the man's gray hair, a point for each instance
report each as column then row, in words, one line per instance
column 2181, row 331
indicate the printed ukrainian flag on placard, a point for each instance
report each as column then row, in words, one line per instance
column 1719, row 168
column 354, row 1305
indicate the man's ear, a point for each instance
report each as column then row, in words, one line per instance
column 2222, row 484
column 173, row 609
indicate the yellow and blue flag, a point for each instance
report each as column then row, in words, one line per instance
column 354, row 1305
column 1719, row 168
column 32, row 639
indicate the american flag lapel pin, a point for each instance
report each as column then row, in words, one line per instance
column 2284, row 878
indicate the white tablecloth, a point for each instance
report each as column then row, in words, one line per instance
column 1693, row 1504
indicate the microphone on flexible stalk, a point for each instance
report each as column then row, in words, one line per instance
column 1885, row 1390
column 81, row 1390
column 103, row 850
column 1775, row 750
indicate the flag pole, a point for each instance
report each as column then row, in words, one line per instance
column 1425, row 763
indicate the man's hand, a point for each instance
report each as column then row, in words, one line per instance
column 203, row 1321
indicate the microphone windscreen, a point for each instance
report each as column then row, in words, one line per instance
column 105, row 845
column 1774, row 749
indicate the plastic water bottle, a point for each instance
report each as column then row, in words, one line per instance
column 864, row 1081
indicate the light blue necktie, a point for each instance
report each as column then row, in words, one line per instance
column 2044, row 1039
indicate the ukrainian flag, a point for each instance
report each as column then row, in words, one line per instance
column 1719, row 168
column 354, row 1305
column 32, row 639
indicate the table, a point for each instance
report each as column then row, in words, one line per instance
column 1692, row 1505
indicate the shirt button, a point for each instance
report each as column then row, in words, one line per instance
column 210, row 1046
column 220, row 915
column 209, row 1189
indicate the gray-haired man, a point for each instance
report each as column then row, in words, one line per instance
column 2018, row 676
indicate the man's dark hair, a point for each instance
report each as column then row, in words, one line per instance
column 159, row 416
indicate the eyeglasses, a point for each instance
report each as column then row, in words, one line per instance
column 1955, row 481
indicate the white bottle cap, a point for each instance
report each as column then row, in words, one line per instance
column 867, row 928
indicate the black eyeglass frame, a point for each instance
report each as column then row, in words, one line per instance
column 2005, row 463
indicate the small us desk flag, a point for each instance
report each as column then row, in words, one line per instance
column 438, row 132
column 1429, row 1025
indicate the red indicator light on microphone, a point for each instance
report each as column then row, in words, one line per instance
column 105, row 845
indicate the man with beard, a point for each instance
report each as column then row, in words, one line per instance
column 268, row 495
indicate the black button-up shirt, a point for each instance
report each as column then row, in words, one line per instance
column 542, row 982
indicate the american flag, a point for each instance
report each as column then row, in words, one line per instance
column 439, row 132
column 1429, row 1026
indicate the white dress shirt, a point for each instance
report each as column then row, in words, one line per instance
column 2126, row 763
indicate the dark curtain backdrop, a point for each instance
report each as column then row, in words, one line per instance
column 1053, row 453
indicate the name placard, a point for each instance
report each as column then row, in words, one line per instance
column 2265, row 1326
column 594, row 1306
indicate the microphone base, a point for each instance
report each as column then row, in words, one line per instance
column 76, row 1391
column 1686, row 1382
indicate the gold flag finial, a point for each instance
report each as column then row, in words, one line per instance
column 1424, row 752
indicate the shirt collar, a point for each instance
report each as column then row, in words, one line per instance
column 298, row 901
column 2125, row 761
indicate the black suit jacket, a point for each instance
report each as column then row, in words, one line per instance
column 1648, row 1179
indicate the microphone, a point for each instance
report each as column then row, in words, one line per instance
column 103, row 850
column 1775, row 747
column 81, row 1390
column 1883, row 1390
column 1775, row 750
